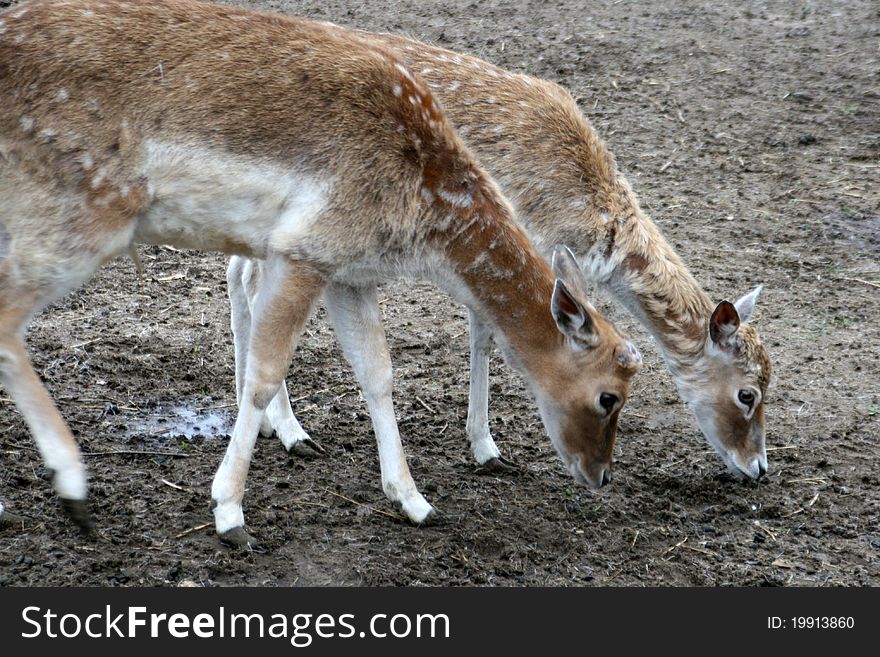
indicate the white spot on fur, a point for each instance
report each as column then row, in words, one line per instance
column 106, row 199
column 456, row 199
column 99, row 178
column 491, row 100
column 48, row 134
column 87, row 161
column 20, row 38
column 61, row 95
column 455, row 84
column 499, row 129
column 403, row 70
column 427, row 195
column 425, row 71
column 478, row 262
column 2, row 27
column 397, row 90
column 26, row 123
column 93, row 105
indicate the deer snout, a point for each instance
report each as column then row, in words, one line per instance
column 594, row 476
column 753, row 468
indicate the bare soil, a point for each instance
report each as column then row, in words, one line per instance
column 750, row 130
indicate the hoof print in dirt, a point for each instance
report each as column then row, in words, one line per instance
column 306, row 449
column 498, row 465
column 238, row 537
column 78, row 511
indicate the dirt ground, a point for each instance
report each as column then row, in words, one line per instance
column 750, row 131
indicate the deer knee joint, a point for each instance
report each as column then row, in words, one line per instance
column 262, row 393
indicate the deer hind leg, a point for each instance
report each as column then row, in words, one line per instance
column 280, row 310
column 53, row 438
column 356, row 317
column 482, row 445
column 243, row 278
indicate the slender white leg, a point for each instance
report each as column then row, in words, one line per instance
column 53, row 438
column 280, row 417
column 357, row 319
column 243, row 279
column 280, row 310
column 482, row 445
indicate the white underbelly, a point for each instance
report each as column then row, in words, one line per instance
column 204, row 199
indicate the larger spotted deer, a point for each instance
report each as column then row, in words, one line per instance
column 222, row 129
column 566, row 188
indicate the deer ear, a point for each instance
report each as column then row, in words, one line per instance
column 746, row 304
column 572, row 317
column 565, row 265
column 723, row 324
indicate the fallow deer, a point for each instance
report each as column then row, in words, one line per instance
column 325, row 157
column 566, row 188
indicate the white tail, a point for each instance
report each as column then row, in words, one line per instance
column 222, row 129
column 566, row 187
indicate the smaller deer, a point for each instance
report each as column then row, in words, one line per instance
column 249, row 133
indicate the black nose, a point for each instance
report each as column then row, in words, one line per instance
column 606, row 476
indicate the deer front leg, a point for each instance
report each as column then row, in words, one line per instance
column 357, row 320
column 483, row 447
column 243, row 277
column 281, row 309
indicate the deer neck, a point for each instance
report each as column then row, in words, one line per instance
column 506, row 281
column 652, row 282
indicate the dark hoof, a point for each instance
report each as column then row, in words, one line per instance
column 306, row 449
column 238, row 537
column 78, row 511
column 433, row 519
column 497, row 465
column 11, row 520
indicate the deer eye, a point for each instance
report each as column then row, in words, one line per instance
column 746, row 397
column 608, row 401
